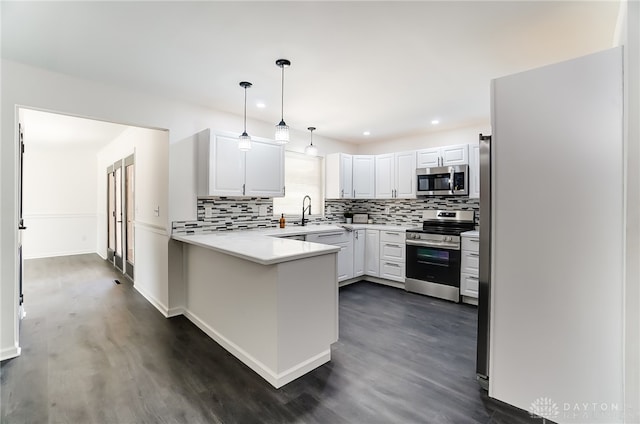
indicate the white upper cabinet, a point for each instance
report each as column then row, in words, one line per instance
column 224, row 170
column 474, row 171
column 405, row 175
column 385, row 176
column 339, row 176
column 264, row 170
column 364, row 177
column 429, row 158
column 396, row 175
column 443, row 156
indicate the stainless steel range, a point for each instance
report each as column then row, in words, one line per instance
column 433, row 254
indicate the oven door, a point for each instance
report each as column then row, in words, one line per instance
column 443, row 181
column 434, row 264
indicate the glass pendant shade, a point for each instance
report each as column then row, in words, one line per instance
column 311, row 150
column 282, row 133
column 244, row 142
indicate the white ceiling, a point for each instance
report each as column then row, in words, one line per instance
column 54, row 130
column 389, row 67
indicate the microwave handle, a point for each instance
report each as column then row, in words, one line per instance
column 451, row 175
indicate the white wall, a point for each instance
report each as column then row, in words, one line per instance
column 151, row 181
column 36, row 88
column 59, row 200
column 466, row 135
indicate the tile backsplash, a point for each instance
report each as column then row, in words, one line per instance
column 223, row 214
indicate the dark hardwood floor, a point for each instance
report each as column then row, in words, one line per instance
column 97, row 352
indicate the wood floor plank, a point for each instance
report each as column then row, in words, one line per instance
column 98, row 352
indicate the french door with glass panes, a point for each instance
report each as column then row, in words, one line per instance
column 120, row 215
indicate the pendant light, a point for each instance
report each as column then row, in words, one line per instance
column 282, row 129
column 311, row 150
column 244, row 141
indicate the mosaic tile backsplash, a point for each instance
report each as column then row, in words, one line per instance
column 224, row 214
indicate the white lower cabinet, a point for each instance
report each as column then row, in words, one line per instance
column 344, row 240
column 359, row 250
column 469, row 267
column 392, row 255
column 372, row 253
column 375, row 253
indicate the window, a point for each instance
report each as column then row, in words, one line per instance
column 303, row 175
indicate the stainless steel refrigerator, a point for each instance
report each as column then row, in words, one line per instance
column 550, row 321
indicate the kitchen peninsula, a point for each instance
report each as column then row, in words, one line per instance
column 272, row 302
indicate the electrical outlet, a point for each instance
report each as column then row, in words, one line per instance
column 386, row 210
column 328, row 210
column 263, row 210
column 424, row 215
column 156, row 211
column 208, row 212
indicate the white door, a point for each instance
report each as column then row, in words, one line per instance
column 428, row 158
column 364, row 177
column 385, row 176
column 405, row 175
column 264, row 170
column 226, row 167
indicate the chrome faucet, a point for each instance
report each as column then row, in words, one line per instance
column 304, row 221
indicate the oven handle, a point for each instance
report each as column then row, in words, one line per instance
column 432, row 263
column 430, row 244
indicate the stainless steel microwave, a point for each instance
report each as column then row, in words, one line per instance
column 443, row 181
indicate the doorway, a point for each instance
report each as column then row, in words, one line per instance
column 120, row 215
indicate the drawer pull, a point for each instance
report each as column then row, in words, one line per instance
column 473, row 254
column 392, row 245
column 392, row 264
column 473, row 278
column 391, row 234
column 475, row 240
column 329, row 235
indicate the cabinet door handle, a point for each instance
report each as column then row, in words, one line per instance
column 392, row 245
column 473, row 254
column 473, row 278
column 354, row 193
column 392, row 264
column 243, row 187
column 391, row 234
column 284, row 190
column 342, row 193
column 474, row 240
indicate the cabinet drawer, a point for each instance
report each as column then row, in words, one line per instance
column 392, row 251
column 392, row 270
column 392, row 236
column 330, row 238
column 471, row 244
column 470, row 262
column 468, row 285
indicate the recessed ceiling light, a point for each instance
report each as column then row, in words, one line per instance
column 261, row 105
column 366, row 133
column 435, row 122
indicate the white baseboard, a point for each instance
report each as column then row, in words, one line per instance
column 174, row 312
column 155, row 302
column 57, row 254
column 12, row 352
column 277, row 380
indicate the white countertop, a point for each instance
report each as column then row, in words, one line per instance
column 265, row 246
column 259, row 248
column 473, row 233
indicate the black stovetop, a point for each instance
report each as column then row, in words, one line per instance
column 443, row 228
